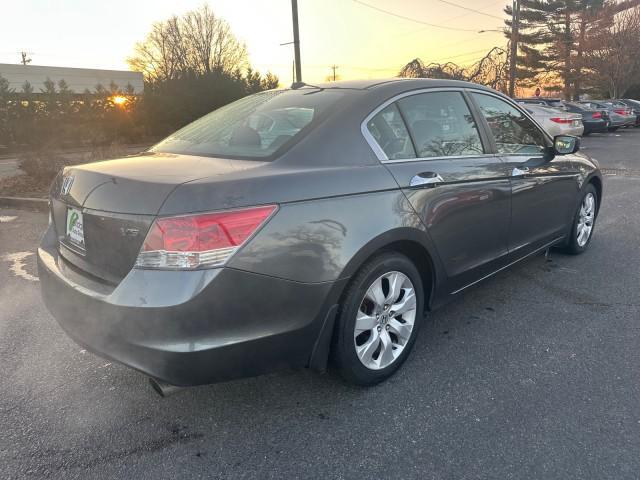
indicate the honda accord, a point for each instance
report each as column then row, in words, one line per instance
column 306, row 225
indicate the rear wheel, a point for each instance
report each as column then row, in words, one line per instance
column 378, row 319
column 584, row 222
column 612, row 129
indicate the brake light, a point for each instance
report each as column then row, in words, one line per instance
column 596, row 115
column 621, row 111
column 560, row 120
column 202, row 240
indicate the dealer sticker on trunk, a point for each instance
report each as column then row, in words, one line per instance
column 75, row 230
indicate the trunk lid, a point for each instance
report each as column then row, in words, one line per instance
column 116, row 202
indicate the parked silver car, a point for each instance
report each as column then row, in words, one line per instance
column 556, row 122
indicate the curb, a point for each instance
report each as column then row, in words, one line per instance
column 26, row 203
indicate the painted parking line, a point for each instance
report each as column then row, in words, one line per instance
column 17, row 265
column 7, row 218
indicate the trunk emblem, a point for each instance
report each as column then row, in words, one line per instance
column 129, row 232
column 66, row 185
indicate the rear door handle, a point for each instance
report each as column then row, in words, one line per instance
column 425, row 179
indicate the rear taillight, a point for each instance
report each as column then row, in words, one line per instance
column 621, row 111
column 596, row 115
column 202, row 240
column 561, row 120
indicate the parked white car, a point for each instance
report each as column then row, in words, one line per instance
column 556, row 122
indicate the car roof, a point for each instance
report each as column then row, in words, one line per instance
column 541, row 99
column 577, row 105
column 394, row 83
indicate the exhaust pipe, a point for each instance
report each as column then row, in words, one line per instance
column 162, row 388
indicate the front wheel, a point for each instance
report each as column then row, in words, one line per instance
column 584, row 222
column 378, row 319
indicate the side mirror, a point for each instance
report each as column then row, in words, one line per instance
column 565, row 144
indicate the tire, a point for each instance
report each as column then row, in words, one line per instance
column 577, row 244
column 612, row 129
column 383, row 351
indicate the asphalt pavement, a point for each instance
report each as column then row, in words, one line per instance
column 534, row 373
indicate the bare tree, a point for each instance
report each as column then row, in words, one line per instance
column 490, row 70
column 614, row 58
column 197, row 42
column 416, row 68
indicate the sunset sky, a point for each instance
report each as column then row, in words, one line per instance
column 363, row 42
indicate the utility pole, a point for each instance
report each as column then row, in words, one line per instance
column 334, row 68
column 515, row 21
column 25, row 58
column 296, row 40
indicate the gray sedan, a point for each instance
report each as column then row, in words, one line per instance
column 304, row 225
column 619, row 115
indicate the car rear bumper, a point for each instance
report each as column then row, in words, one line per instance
column 595, row 126
column 555, row 129
column 577, row 131
column 189, row 327
column 622, row 121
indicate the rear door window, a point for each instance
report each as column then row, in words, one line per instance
column 441, row 125
column 512, row 130
column 390, row 132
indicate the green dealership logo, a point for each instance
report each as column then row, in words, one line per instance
column 73, row 219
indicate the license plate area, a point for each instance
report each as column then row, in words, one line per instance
column 74, row 234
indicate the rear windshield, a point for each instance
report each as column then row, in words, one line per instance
column 577, row 108
column 253, row 127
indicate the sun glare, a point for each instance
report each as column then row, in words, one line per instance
column 119, row 100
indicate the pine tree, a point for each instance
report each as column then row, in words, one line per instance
column 553, row 35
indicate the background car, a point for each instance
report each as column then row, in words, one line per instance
column 634, row 105
column 545, row 101
column 556, row 122
column 622, row 108
column 618, row 116
column 594, row 121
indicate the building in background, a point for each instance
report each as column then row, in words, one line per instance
column 78, row 79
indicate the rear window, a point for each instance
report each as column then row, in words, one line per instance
column 254, row 127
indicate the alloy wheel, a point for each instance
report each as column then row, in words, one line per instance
column 585, row 219
column 385, row 320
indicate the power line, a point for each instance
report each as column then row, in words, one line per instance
column 373, row 7
column 449, row 57
column 469, row 9
column 413, row 32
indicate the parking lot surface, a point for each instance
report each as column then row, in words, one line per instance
column 534, row 373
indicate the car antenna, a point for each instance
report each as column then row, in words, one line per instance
column 298, row 85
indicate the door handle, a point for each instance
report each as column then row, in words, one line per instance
column 519, row 172
column 425, row 179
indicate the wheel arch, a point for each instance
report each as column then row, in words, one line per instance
column 597, row 184
column 412, row 243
